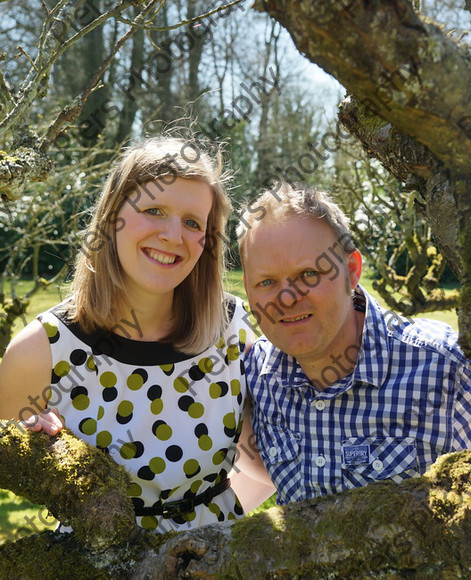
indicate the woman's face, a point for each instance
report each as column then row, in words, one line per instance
column 161, row 235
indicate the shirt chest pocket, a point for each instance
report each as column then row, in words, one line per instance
column 367, row 459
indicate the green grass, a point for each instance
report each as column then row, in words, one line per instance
column 13, row 509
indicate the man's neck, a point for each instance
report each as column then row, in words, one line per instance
column 336, row 364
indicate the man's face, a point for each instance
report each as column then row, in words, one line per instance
column 298, row 281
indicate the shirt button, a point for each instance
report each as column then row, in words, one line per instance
column 377, row 465
column 320, row 405
column 320, row 461
column 273, row 452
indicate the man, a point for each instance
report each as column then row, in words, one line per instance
column 344, row 393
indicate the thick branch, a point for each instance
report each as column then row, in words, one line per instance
column 421, row 527
column 78, row 483
column 406, row 69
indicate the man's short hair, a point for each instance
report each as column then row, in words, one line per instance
column 283, row 201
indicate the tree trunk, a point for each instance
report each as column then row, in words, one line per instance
column 420, row 528
column 412, row 103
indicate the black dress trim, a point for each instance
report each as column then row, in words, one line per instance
column 126, row 350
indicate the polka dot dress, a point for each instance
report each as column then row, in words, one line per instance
column 171, row 419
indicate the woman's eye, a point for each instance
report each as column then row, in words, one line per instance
column 310, row 273
column 192, row 224
column 153, row 211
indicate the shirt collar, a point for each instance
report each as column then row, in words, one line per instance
column 373, row 358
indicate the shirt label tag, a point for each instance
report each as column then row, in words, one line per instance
column 356, row 454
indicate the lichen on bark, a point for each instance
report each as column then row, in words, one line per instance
column 420, row 528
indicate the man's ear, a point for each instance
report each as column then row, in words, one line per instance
column 354, row 264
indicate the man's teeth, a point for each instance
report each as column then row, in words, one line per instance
column 295, row 319
column 160, row 257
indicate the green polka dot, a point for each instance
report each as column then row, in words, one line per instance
column 242, row 335
column 181, row 384
column 157, row 465
column 235, row 387
column 229, row 420
column 231, row 516
column 205, row 442
column 101, row 412
column 51, row 329
column 108, row 379
column 167, row 368
column 213, row 507
column 215, row 391
column 149, row 523
column 62, row 368
column 246, row 306
column 219, row 457
column 191, row 467
column 221, row 343
column 189, row 517
column 125, row 408
column 135, row 382
column 163, row 432
column 81, row 402
column 134, row 489
column 196, row 410
column 104, row 439
column 194, row 487
column 91, row 363
column 233, row 352
column 128, row 451
column 206, row 365
column 88, row 426
column 156, row 406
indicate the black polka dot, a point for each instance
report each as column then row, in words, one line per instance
column 195, row 373
column 240, row 398
column 165, row 494
column 138, row 502
column 109, row 394
column 230, row 432
column 123, row 420
column 154, row 392
column 211, row 477
column 201, row 429
column 185, row 402
column 76, row 391
column 146, row 473
column 54, row 378
column 224, row 388
column 142, row 373
column 55, row 338
column 174, row 453
column 78, row 357
column 139, row 449
column 238, row 510
column 242, row 367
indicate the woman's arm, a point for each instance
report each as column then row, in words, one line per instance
column 25, row 377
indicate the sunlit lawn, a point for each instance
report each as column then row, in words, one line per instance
column 14, row 510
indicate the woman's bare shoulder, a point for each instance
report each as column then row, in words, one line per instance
column 25, row 372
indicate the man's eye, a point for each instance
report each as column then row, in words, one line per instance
column 192, row 224
column 310, row 273
column 153, row 211
column 266, row 282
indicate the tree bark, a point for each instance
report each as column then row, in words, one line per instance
column 420, row 528
column 411, row 110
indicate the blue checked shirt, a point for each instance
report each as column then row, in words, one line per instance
column 407, row 402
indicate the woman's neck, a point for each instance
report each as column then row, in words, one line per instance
column 147, row 322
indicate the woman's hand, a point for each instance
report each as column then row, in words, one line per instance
column 48, row 421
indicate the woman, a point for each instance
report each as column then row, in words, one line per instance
column 147, row 354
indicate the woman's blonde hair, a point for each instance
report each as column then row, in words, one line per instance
column 98, row 288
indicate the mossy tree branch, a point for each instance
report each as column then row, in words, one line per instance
column 421, row 527
column 390, row 59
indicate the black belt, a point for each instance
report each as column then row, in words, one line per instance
column 173, row 509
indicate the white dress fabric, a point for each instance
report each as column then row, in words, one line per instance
column 172, row 420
